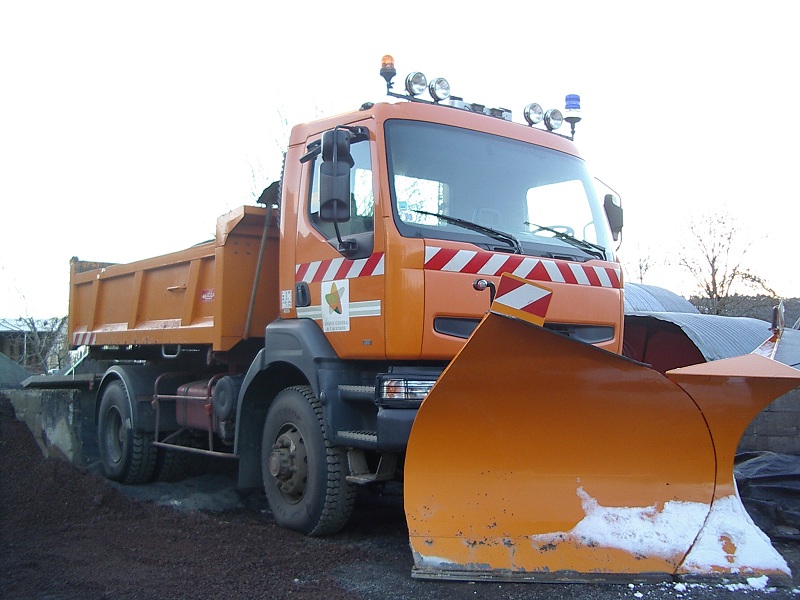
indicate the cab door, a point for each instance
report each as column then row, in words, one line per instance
column 339, row 270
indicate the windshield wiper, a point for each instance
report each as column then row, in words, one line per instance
column 588, row 247
column 495, row 234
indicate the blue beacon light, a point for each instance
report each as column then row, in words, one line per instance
column 572, row 111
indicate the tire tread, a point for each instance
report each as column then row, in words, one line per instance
column 340, row 494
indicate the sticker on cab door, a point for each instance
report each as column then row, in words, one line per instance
column 336, row 305
column 286, row 300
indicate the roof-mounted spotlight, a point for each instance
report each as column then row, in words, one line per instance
column 439, row 89
column 553, row 119
column 534, row 113
column 416, row 83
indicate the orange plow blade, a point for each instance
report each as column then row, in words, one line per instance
column 730, row 393
column 536, row 457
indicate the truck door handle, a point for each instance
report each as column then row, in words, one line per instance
column 302, row 295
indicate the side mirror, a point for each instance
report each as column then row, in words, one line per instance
column 613, row 207
column 334, row 177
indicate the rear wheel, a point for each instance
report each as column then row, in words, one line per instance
column 304, row 475
column 172, row 465
column 126, row 456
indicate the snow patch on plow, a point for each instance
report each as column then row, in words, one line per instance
column 643, row 531
column 730, row 542
column 723, row 540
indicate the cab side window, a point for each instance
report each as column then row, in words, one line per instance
column 362, row 201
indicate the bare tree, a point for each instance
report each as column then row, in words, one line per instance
column 714, row 255
column 637, row 265
column 279, row 129
column 39, row 345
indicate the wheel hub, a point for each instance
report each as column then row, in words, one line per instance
column 114, row 436
column 288, row 464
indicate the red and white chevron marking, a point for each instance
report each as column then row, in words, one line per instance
column 521, row 298
column 339, row 268
column 527, row 267
column 84, row 338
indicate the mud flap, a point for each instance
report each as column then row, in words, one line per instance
column 539, row 458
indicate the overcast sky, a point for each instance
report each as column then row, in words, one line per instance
column 127, row 128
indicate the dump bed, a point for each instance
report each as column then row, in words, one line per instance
column 198, row 296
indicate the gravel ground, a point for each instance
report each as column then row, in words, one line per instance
column 68, row 533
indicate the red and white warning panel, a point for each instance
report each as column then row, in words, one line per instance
column 521, row 299
column 539, row 269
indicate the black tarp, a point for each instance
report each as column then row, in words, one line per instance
column 769, row 485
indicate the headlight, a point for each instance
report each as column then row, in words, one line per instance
column 439, row 89
column 416, row 83
column 553, row 119
column 394, row 392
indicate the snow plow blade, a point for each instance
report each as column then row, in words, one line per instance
column 539, row 458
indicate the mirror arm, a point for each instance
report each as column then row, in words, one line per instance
column 345, row 246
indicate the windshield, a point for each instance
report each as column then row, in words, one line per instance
column 543, row 198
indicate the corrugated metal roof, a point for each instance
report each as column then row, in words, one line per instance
column 650, row 298
column 716, row 336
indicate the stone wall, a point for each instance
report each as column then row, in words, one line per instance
column 776, row 428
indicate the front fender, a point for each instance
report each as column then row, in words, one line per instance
column 293, row 352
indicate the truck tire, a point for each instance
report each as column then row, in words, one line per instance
column 127, row 456
column 304, row 475
column 172, row 465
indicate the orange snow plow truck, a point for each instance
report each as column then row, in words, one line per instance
column 430, row 293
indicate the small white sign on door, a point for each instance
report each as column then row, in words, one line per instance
column 336, row 305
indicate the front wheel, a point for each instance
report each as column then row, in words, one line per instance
column 127, row 456
column 304, row 475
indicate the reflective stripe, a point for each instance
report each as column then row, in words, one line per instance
column 367, row 308
column 339, row 268
column 84, row 338
column 467, row 261
column 535, row 269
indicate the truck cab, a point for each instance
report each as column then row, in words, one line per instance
column 389, row 217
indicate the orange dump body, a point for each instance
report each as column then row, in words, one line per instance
column 198, row 296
